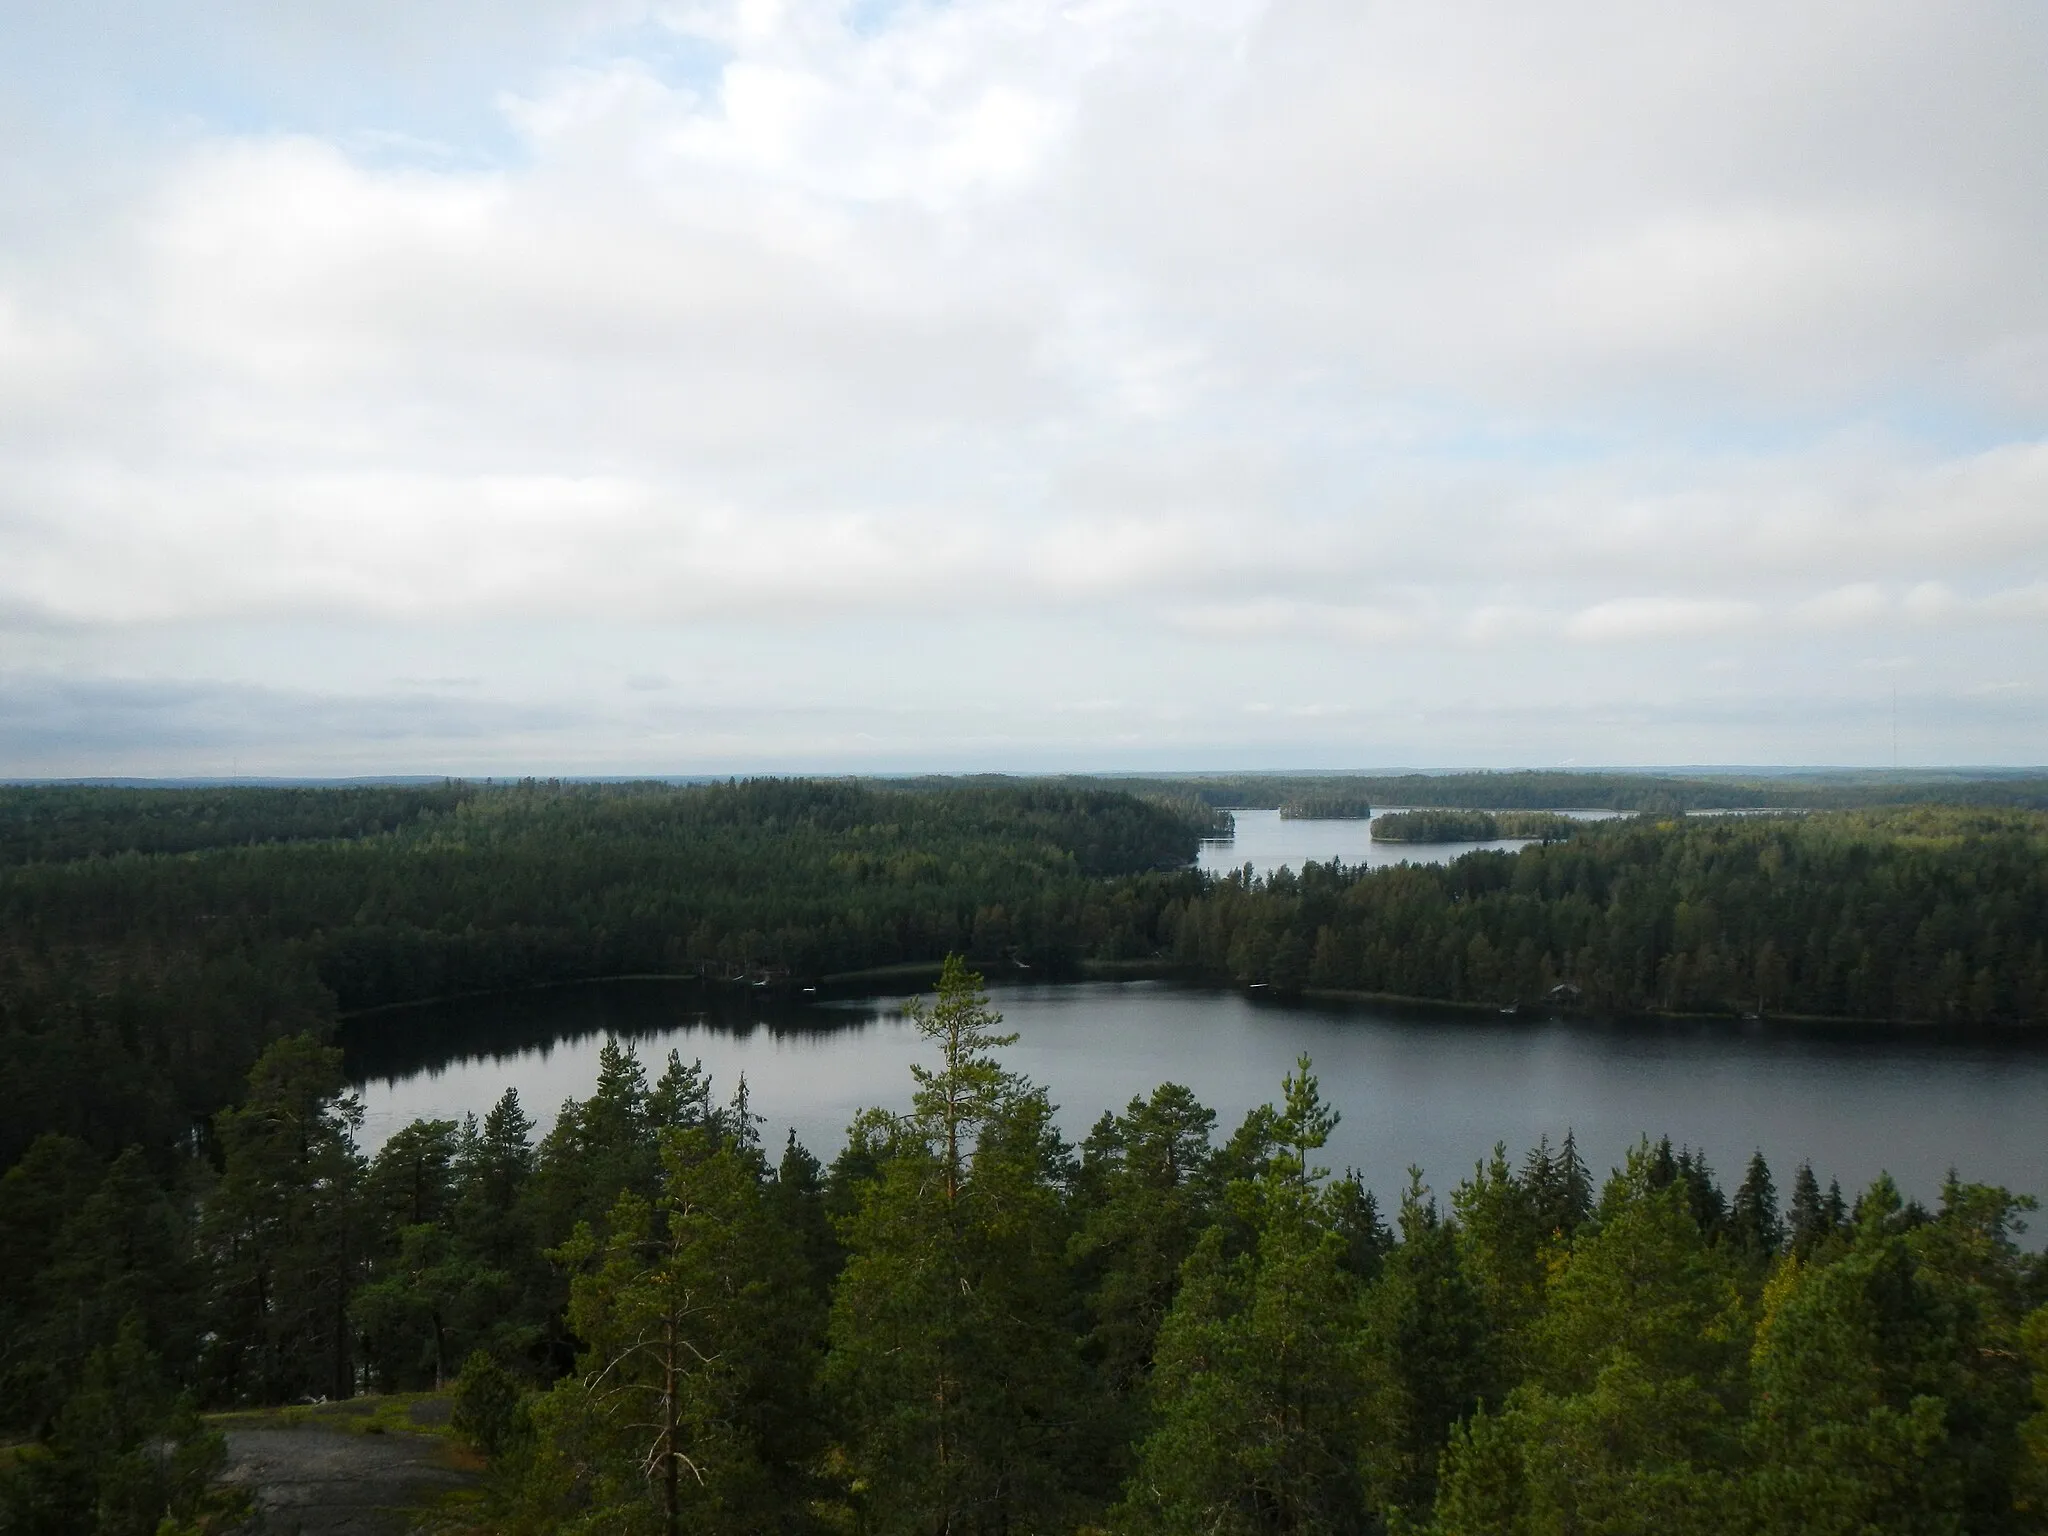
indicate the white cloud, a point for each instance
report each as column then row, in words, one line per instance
column 1861, row 602
column 1658, row 618
column 1495, row 346
column 1280, row 619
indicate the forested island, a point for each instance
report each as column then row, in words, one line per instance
column 956, row 1321
column 1447, row 826
column 1326, row 805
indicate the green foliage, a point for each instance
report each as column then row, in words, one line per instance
column 1325, row 805
column 1257, row 1400
column 283, row 1231
column 2030, row 1491
column 954, row 1359
column 1933, row 915
column 488, row 1404
column 688, row 1407
column 127, row 1456
column 152, row 944
column 1353, row 794
column 1449, row 826
column 960, row 1326
column 88, row 1250
column 1146, row 1192
column 54, row 824
column 1427, row 1339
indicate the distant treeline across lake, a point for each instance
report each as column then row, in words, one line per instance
column 152, row 942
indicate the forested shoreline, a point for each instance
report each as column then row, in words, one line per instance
column 651, row 1322
column 1153, row 1331
column 1928, row 915
column 138, row 986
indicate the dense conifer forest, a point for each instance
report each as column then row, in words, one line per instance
column 651, row 1322
column 1355, row 794
column 1452, row 826
column 1935, row 915
column 960, row 1323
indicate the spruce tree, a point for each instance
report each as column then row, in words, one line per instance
column 1753, row 1218
column 1505, row 1226
column 1427, row 1332
column 599, row 1146
column 1143, row 1198
column 1257, row 1388
column 492, row 1171
column 1810, row 1223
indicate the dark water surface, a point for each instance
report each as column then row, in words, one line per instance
column 1414, row 1087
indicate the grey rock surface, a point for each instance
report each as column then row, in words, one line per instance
column 313, row 1480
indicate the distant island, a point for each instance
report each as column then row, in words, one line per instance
column 1325, row 805
column 1449, row 826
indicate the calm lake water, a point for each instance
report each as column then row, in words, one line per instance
column 1266, row 841
column 1415, row 1087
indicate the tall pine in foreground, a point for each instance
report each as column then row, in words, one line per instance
column 689, row 1408
column 954, row 1362
column 283, row 1231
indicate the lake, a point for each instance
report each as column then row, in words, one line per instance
column 1414, row 1086
column 1267, row 841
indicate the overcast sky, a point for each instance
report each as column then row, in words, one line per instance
column 620, row 387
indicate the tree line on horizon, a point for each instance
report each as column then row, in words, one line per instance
column 651, row 1322
column 1353, row 795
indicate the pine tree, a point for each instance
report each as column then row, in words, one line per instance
column 282, row 1232
column 953, row 1356
column 681, row 1097
column 1304, row 1125
column 412, row 1178
column 687, row 1404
